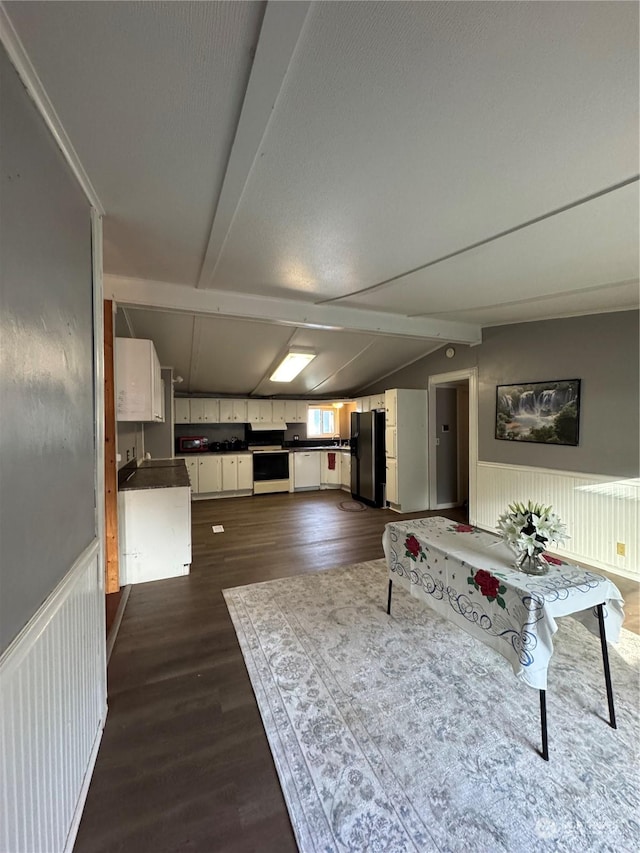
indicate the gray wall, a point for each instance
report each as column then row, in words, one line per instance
column 600, row 349
column 47, row 448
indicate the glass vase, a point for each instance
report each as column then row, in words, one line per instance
column 532, row 564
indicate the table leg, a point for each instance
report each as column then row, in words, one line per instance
column 389, row 599
column 605, row 662
column 543, row 724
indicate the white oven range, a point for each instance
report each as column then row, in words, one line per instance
column 270, row 469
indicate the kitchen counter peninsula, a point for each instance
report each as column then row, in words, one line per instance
column 154, row 520
column 155, row 474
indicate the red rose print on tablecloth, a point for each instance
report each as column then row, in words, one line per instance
column 554, row 561
column 414, row 548
column 464, row 528
column 489, row 586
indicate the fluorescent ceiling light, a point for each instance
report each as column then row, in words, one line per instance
column 291, row 365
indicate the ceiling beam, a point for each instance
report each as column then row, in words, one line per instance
column 161, row 295
column 279, row 35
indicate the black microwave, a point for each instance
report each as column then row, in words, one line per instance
column 193, row 444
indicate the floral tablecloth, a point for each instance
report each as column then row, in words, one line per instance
column 467, row 575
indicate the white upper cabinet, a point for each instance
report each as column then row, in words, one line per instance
column 295, row 411
column 233, row 411
column 138, row 381
column 260, row 411
column 197, row 410
column 182, row 410
column 278, row 412
column 211, row 410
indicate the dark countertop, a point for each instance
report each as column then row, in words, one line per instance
column 157, row 474
column 333, row 448
column 215, row 453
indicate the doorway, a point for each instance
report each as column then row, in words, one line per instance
column 453, row 440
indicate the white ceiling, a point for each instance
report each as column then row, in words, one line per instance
column 399, row 173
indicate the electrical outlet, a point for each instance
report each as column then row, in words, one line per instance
column 621, row 549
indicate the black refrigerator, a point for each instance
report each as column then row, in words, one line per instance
column 367, row 457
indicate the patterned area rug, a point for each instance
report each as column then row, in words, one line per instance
column 351, row 506
column 403, row 733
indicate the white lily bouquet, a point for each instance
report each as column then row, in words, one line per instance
column 528, row 529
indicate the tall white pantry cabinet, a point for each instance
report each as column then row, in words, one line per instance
column 406, row 449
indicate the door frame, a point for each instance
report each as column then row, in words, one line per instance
column 471, row 375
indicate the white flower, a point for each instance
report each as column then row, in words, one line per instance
column 528, row 542
column 547, row 527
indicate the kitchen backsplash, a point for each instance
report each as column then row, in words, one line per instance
column 228, row 432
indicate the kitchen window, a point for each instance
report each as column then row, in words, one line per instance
column 321, row 422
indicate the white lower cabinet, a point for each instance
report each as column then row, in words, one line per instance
column 245, row 472
column 209, row 474
column 237, row 473
column 330, row 477
column 154, row 529
column 345, row 470
column 192, row 470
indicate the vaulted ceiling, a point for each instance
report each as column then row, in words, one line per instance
column 372, row 180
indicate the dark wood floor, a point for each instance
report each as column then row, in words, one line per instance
column 184, row 764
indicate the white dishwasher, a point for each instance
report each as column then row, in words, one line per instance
column 306, row 469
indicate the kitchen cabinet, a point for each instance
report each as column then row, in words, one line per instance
column 237, row 473
column 259, row 411
column 138, row 381
column 196, row 410
column 390, row 406
column 306, row 469
column 345, row 470
column 245, row 472
column 233, row 412
column 278, row 413
column 407, row 488
column 377, row 401
column 205, row 410
column 154, row 534
column 392, row 481
column 192, row 471
column 181, row 410
column 390, row 441
column 209, row 474
column 229, row 473
column 330, row 477
column 295, row 411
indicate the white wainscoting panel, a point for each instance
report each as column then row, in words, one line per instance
column 601, row 513
column 52, row 711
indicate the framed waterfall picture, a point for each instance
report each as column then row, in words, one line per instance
column 540, row 412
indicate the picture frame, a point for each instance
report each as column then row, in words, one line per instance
column 539, row 412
